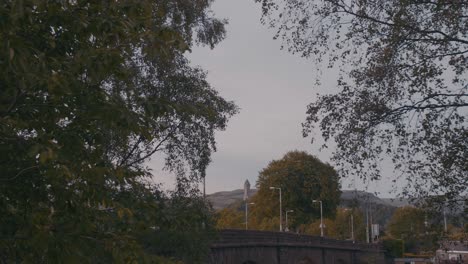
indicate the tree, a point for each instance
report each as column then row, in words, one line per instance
column 408, row 223
column 90, row 91
column 394, row 248
column 185, row 229
column 403, row 86
column 229, row 218
column 302, row 178
column 343, row 224
column 340, row 226
column 313, row 228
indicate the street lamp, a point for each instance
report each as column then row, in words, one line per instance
column 246, row 214
column 287, row 226
column 445, row 219
column 281, row 209
column 426, row 223
column 352, row 224
column 321, row 216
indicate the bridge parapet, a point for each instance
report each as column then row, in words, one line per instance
column 250, row 246
column 230, row 237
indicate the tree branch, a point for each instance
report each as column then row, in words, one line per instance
column 20, row 172
column 151, row 152
column 418, row 106
column 416, row 29
column 140, row 138
column 13, row 103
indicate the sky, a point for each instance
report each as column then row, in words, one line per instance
column 272, row 88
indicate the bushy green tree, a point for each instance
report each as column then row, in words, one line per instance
column 302, row 178
column 230, row 218
column 184, row 228
column 343, row 224
column 313, row 228
column 394, row 248
column 90, row 90
column 412, row 226
column 407, row 222
column 340, row 226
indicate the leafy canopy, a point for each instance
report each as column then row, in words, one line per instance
column 403, row 85
column 416, row 228
column 302, row 178
column 230, row 218
column 90, row 90
column 407, row 222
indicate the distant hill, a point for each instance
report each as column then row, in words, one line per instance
column 221, row 200
column 397, row 202
column 382, row 208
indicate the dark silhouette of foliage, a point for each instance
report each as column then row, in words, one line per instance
column 90, row 90
column 403, row 87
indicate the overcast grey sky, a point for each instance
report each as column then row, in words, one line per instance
column 272, row 89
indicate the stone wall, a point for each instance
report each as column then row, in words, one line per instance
column 262, row 247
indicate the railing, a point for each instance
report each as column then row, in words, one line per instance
column 245, row 238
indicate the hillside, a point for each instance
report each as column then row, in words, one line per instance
column 382, row 208
column 221, row 200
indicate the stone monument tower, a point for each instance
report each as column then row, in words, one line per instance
column 246, row 190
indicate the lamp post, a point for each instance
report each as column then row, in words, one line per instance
column 445, row 219
column 352, row 222
column 321, row 216
column 287, row 226
column 247, row 215
column 367, row 222
column 281, row 209
column 426, row 223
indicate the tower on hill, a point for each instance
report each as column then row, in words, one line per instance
column 246, row 190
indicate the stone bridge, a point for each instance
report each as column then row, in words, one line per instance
column 262, row 247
